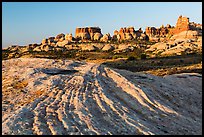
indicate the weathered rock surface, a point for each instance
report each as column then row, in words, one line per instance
column 54, row 97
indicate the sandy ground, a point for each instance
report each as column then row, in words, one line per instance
column 41, row 96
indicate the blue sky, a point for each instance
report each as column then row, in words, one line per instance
column 29, row 22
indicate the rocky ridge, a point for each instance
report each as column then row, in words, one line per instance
column 169, row 40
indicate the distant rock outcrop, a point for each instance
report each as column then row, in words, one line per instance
column 108, row 47
column 184, row 32
column 183, row 24
column 97, row 36
column 106, row 38
column 69, row 37
column 86, row 33
column 128, row 34
column 60, row 37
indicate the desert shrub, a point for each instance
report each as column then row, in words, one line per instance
column 20, row 84
column 107, row 57
column 183, row 53
column 81, row 58
column 131, row 58
column 181, row 60
column 143, row 56
column 117, row 56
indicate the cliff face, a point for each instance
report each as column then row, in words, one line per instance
column 87, row 33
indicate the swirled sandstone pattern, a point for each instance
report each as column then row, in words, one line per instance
column 65, row 97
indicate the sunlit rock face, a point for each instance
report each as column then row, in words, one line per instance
column 87, row 33
column 127, row 33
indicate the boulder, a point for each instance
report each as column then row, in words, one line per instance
column 99, row 45
column 47, row 48
column 108, row 47
column 97, row 36
column 68, row 37
column 123, row 48
column 114, row 38
column 51, row 40
column 59, row 36
column 115, row 32
column 105, row 38
column 38, row 48
column 62, row 43
column 128, row 36
column 44, row 42
column 88, row 48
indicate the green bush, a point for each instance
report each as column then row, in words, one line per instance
column 143, row 56
column 131, row 58
column 117, row 56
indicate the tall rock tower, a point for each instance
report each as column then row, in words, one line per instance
column 182, row 25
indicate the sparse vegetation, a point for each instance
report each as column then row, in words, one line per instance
column 161, row 65
column 143, row 56
column 131, row 58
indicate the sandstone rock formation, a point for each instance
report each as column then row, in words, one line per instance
column 183, row 31
column 106, row 38
column 37, row 49
column 97, row 36
column 128, row 34
column 69, row 37
column 182, row 25
column 62, row 43
column 44, row 42
column 153, row 32
column 99, row 45
column 60, row 37
column 51, row 40
column 86, row 33
column 108, row 47
column 123, row 48
column 88, row 47
column 175, row 47
column 185, row 35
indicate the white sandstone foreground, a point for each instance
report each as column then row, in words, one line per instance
column 41, row 96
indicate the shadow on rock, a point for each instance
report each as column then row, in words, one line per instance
column 56, row 71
